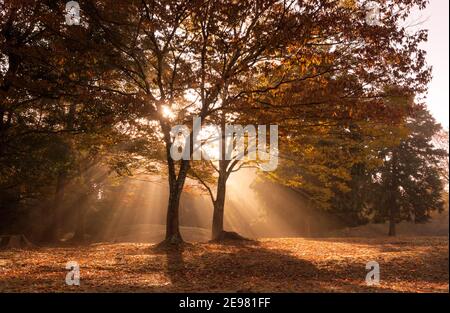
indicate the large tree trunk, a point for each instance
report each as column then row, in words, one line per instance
column 218, row 232
column 219, row 209
column 219, row 202
column 173, row 235
column 225, row 169
column 176, row 184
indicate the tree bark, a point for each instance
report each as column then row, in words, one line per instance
column 226, row 167
column 173, row 235
column 219, row 209
column 392, row 223
column 176, row 184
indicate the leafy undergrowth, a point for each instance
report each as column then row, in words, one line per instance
column 418, row 264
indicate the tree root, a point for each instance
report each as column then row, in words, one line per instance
column 228, row 236
column 173, row 242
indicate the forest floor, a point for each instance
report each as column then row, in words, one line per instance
column 407, row 264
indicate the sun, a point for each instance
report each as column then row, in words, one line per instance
column 167, row 112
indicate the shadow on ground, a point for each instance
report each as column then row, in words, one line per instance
column 249, row 267
column 274, row 265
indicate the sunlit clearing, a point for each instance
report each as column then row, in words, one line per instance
column 133, row 209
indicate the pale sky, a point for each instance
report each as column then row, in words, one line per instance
column 436, row 19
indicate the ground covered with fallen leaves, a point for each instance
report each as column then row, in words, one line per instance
column 418, row 264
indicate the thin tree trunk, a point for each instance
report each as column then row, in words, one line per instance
column 2, row 113
column 85, row 171
column 59, row 197
column 392, row 223
column 308, row 226
column 51, row 232
column 80, row 219
column 393, row 209
column 80, row 229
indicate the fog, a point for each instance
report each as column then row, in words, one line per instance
column 137, row 211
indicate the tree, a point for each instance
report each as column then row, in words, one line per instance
column 441, row 142
column 48, row 98
column 160, row 63
column 313, row 88
column 408, row 185
column 353, row 205
column 166, row 50
column 230, row 152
